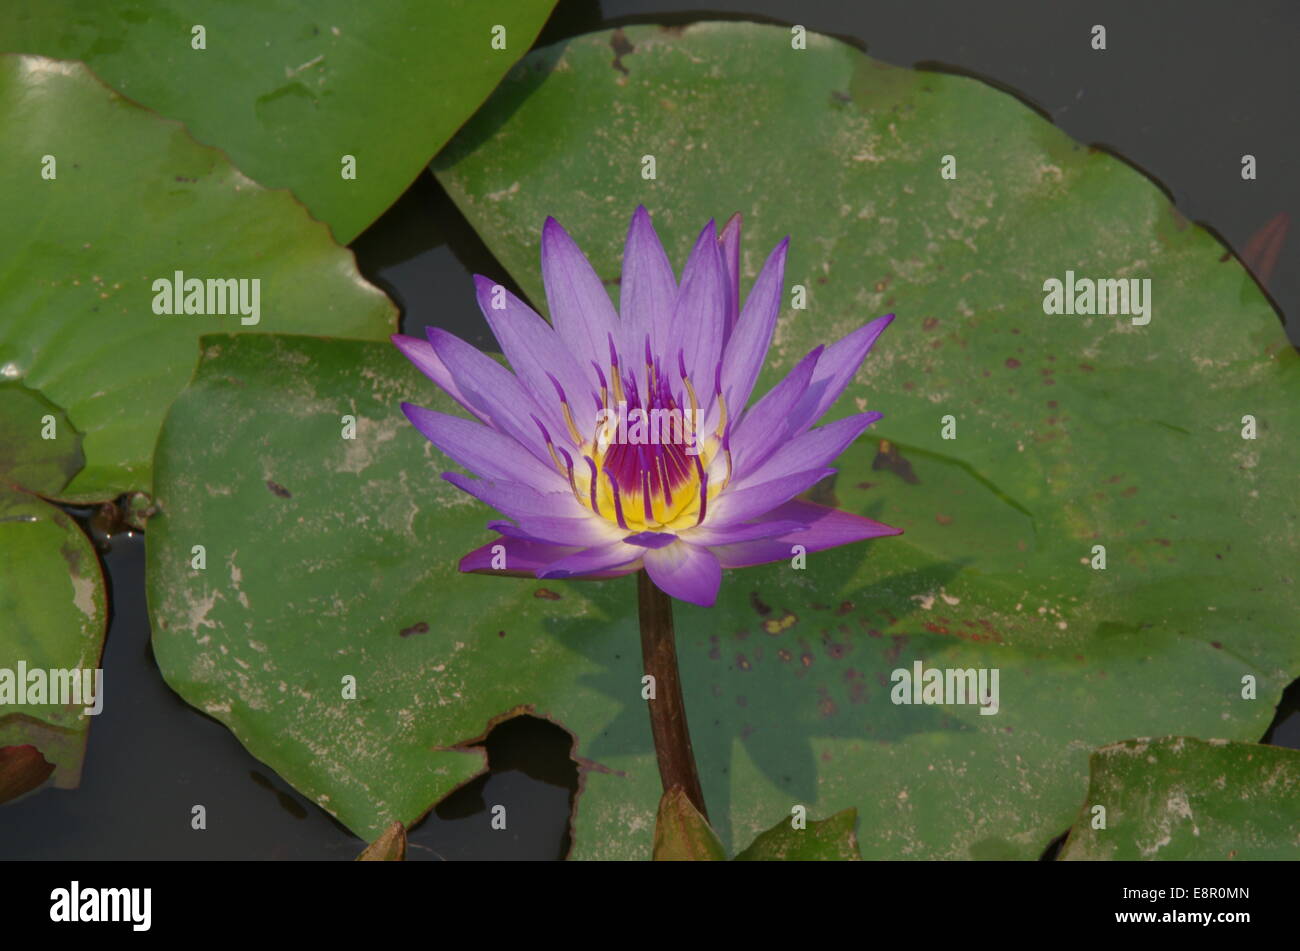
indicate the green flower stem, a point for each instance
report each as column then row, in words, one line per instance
column 672, row 736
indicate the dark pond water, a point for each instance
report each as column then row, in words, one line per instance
column 1182, row 92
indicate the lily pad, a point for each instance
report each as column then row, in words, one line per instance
column 823, row 840
column 53, row 618
column 1071, row 432
column 287, row 90
column 1183, row 798
column 42, row 450
column 132, row 200
column 328, row 557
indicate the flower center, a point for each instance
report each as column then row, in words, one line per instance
column 647, row 466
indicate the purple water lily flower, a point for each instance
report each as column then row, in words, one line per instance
column 624, row 441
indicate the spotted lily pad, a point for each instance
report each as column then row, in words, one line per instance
column 329, row 550
column 53, row 612
column 53, row 618
column 106, row 201
column 287, row 89
column 1168, row 442
column 1182, row 798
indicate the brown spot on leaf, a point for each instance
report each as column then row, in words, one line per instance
column 825, row 705
column 1012, row 363
column 899, row 642
column 547, row 594
column 943, row 519
column 277, row 489
column 930, row 323
column 421, row 628
column 759, row 604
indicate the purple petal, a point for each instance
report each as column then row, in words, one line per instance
column 685, row 571
column 492, row 391
column 732, row 507
column 522, row 558
column 613, row 558
column 536, row 353
column 515, row 500
column 586, row 530
column 822, row 528
column 580, row 308
column 422, row 355
column 698, row 314
column 729, row 249
column 648, row 289
column 743, row 532
column 817, row 447
column 748, row 345
column 835, row 370
column 483, row 451
column 760, row 430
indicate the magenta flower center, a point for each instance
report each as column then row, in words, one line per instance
column 646, row 464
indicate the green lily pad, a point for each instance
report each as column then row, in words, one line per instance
column 329, row 557
column 823, row 840
column 53, row 617
column 42, row 450
column 1070, row 432
column 287, row 90
column 1182, row 798
column 133, row 201
column 682, row 834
